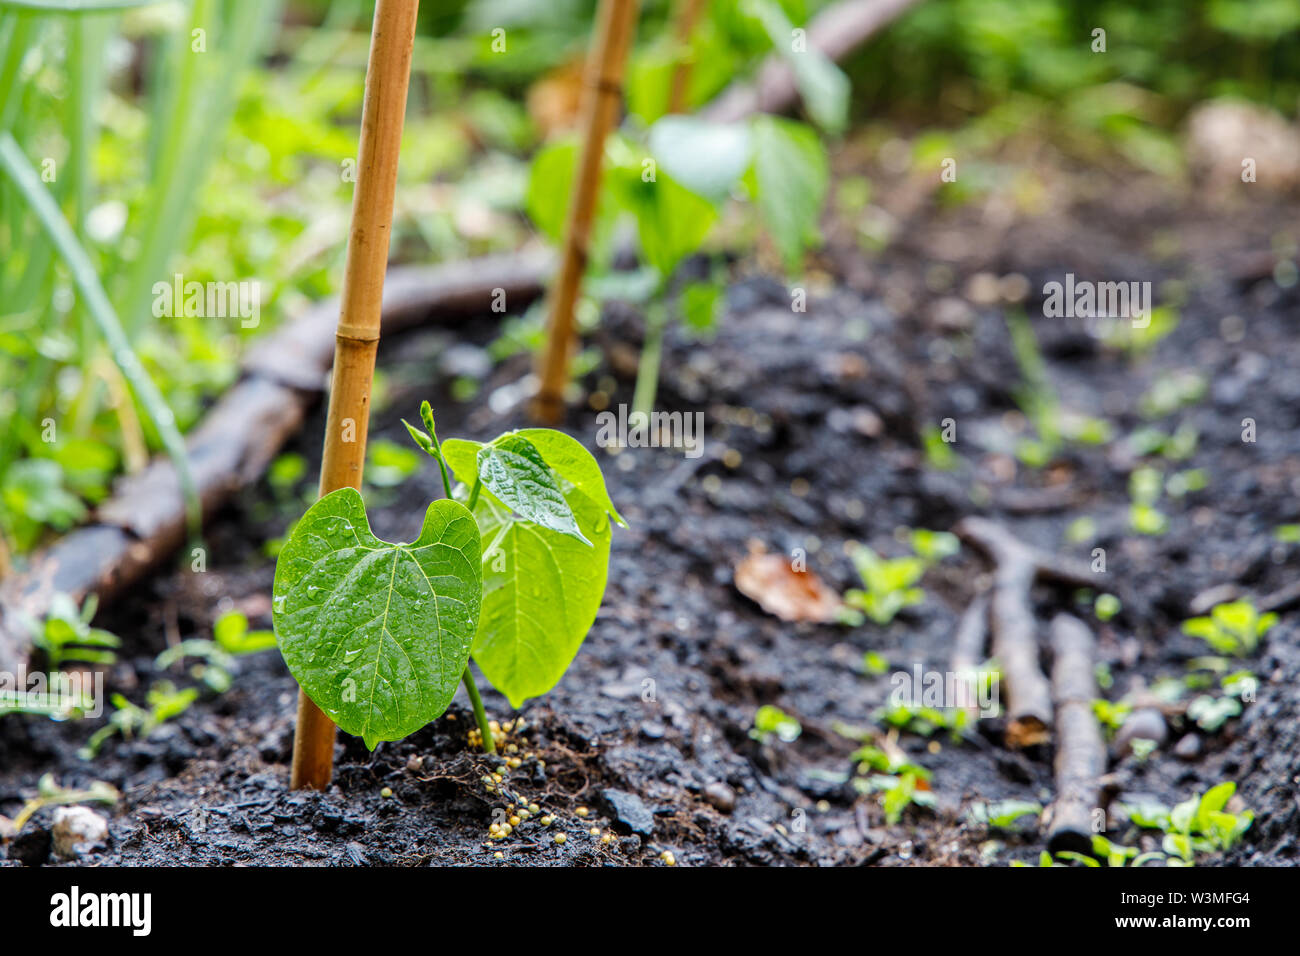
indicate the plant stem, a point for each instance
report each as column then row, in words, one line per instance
column 489, row 745
column 442, row 466
column 647, row 372
column 473, row 495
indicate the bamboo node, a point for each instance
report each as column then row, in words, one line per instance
column 356, row 333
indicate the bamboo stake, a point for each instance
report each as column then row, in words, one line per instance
column 604, row 87
column 688, row 12
column 357, row 339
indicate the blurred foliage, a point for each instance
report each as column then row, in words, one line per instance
column 963, row 57
column 230, row 166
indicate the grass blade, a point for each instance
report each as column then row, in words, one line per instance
column 16, row 166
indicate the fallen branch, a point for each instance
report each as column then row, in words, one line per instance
column 284, row 376
column 837, row 31
column 968, row 651
column 1005, row 548
column 1015, row 643
column 1080, row 750
column 1280, row 600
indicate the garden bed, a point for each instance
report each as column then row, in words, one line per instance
column 814, row 440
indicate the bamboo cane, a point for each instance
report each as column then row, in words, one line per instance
column 604, row 85
column 357, row 338
column 688, row 12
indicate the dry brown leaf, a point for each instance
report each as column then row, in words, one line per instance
column 780, row 590
column 555, row 99
column 1026, row 732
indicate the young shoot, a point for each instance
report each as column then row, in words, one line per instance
column 1232, row 628
column 509, row 568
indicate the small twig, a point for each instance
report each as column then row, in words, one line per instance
column 1005, row 548
column 1015, row 644
column 1080, row 749
column 1281, row 600
column 968, row 651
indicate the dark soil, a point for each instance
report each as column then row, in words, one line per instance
column 814, row 427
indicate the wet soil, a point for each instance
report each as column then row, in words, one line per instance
column 814, row 425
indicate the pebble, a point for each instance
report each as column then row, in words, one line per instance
column 1146, row 722
column 1188, row 748
column 77, row 829
column 720, row 796
column 629, row 812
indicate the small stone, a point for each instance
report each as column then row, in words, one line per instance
column 1147, row 723
column 629, row 812
column 1188, row 748
column 77, row 829
column 466, row 361
column 952, row 314
column 720, row 796
column 31, row 847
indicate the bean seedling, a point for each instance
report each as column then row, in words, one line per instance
column 509, row 568
column 1232, row 628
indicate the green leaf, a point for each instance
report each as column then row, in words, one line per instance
column 1214, row 800
column 233, row 636
column 541, row 589
column 707, row 158
column 550, row 182
column 388, row 464
column 378, row 634
column 791, row 176
column 701, row 303
column 421, row 439
column 822, row 85
column 672, row 221
column 514, row 471
column 573, row 463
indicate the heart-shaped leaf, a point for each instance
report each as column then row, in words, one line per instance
column 541, row 589
column 516, row 473
column 378, row 634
